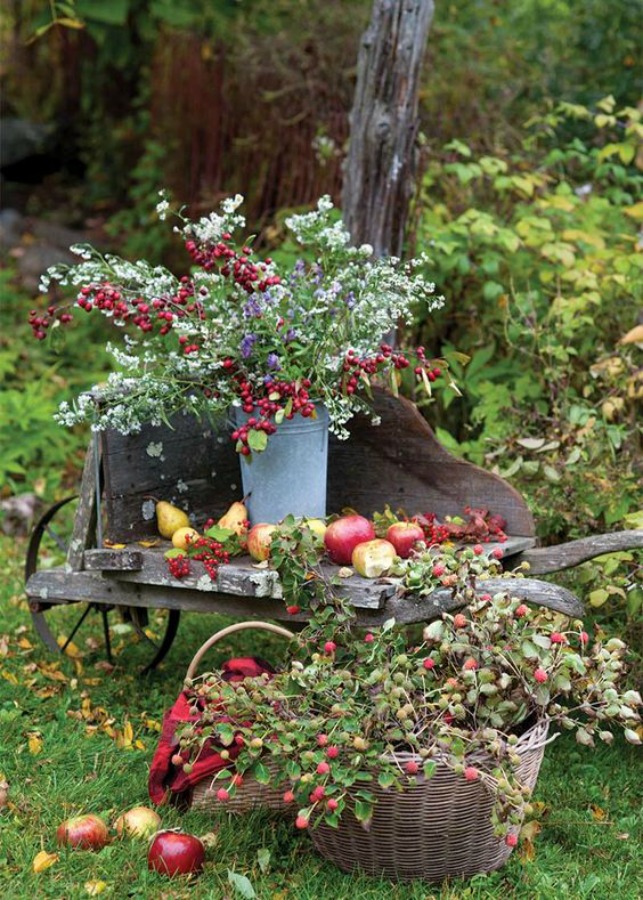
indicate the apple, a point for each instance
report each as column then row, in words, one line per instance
column 85, row 832
column 317, row 526
column 259, row 538
column 175, row 853
column 343, row 535
column 404, row 536
column 372, row 558
column 138, row 822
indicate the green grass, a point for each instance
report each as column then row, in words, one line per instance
column 589, row 801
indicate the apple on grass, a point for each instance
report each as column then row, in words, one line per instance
column 259, row 539
column 175, row 853
column 344, row 534
column 373, row 558
column 86, row 832
column 404, row 536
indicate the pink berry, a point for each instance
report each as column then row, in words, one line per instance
column 332, row 804
column 332, row 752
column 540, row 675
column 438, row 570
column 293, row 610
column 369, row 638
column 412, row 768
column 583, row 637
column 470, row 665
column 323, row 768
column 301, row 822
column 289, row 797
column 471, row 773
column 322, row 740
column 330, row 647
column 223, row 795
column 511, row 840
column 428, row 663
column 459, row 620
column 478, row 549
column 522, row 610
column 497, row 553
column 557, row 638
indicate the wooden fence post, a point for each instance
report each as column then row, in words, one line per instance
column 380, row 167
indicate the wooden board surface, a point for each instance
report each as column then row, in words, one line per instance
column 398, row 462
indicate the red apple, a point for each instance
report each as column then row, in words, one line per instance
column 372, row 558
column 175, row 853
column 343, row 535
column 404, row 536
column 86, row 832
column 138, row 822
column 259, row 538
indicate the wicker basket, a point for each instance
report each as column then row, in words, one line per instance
column 250, row 794
column 438, row 828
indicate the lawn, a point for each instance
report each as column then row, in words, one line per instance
column 79, row 738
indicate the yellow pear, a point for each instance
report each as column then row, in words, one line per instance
column 184, row 536
column 235, row 518
column 169, row 519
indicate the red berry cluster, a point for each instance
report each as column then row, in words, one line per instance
column 40, row 322
column 179, row 566
column 434, row 531
column 280, row 394
column 355, row 368
column 250, row 276
column 211, row 553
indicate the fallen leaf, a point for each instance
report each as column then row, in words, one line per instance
column 598, row 814
column 94, row 888
column 25, row 644
column 625, row 836
column 4, row 792
column 528, row 834
column 211, row 839
column 113, row 546
column 44, row 860
column 261, row 565
column 633, row 336
column 35, row 744
column 70, row 648
column 9, row 676
column 149, row 543
column 345, row 572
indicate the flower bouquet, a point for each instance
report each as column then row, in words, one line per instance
column 242, row 332
column 415, row 754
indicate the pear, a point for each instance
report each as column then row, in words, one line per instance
column 235, row 518
column 169, row 519
column 184, row 536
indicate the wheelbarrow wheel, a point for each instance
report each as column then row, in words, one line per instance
column 124, row 635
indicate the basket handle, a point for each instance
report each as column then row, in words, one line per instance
column 231, row 629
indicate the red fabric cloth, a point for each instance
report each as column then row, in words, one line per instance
column 166, row 778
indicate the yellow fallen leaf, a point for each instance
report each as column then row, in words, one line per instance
column 345, row 572
column 24, row 644
column 44, row 860
column 9, row 676
column 124, row 738
column 598, row 813
column 71, row 649
column 35, row 744
column 138, row 743
column 528, row 835
column 94, row 888
column 113, row 546
column 149, row 543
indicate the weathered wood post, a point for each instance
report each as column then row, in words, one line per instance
column 380, row 167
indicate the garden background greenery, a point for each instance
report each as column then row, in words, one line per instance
column 529, row 206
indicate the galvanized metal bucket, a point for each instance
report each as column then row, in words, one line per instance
column 289, row 476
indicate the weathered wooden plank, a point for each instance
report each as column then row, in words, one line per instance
column 113, row 560
column 401, row 462
column 192, row 464
column 242, row 578
column 84, row 529
column 543, row 560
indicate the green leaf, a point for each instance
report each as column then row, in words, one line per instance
column 173, row 553
column 363, row 811
column 225, row 733
column 219, row 534
column 263, row 858
column 385, row 779
column 241, row 885
column 107, row 12
column 261, row 773
column 429, row 768
column 257, row 441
